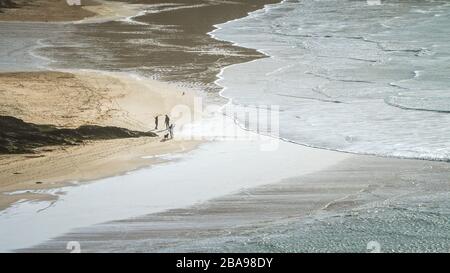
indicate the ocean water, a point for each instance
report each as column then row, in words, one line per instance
column 348, row 76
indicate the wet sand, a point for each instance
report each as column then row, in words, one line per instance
column 68, row 100
column 59, row 11
column 169, row 42
column 220, row 223
column 197, row 66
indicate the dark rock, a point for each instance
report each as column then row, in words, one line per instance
column 7, row 4
column 17, row 136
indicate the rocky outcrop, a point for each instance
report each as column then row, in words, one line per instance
column 17, row 136
column 7, row 4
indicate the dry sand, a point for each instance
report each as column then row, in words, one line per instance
column 69, row 100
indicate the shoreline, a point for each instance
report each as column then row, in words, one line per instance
column 238, row 211
column 96, row 98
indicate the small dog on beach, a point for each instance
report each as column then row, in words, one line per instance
column 165, row 138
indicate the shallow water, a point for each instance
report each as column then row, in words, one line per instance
column 407, row 227
column 370, row 79
column 412, row 225
column 165, row 41
column 409, row 212
column 19, row 42
column 190, row 178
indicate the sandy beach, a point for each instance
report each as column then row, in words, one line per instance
column 68, row 100
column 71, row 99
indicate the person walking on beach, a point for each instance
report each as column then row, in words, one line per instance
column 156, row 123
column 167, row 121
column 171, row 130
